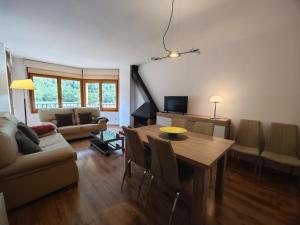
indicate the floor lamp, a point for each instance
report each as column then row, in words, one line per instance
column 26, row 84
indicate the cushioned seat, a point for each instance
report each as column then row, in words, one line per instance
column 69, row 129
column 280, row 158
column 246, row 150
column 89, row 127
column 52, row 139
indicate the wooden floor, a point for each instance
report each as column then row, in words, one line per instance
column 97, row 199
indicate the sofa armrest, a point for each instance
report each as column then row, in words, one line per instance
column 103, row 123
column 49, row 123
column 37, row 161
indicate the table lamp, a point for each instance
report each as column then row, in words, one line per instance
column 26, row 84
column 215, row 99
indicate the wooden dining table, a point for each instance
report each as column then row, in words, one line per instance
column 202, row 152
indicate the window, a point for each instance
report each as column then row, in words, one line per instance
column 109, row 96
column 59, row 92
column 70, row 93
column 92, row 94
column 45, row 97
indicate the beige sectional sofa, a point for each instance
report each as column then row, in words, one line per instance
column 24, row 178
column 77, row 130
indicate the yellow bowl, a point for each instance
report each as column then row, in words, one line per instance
column 173, row 130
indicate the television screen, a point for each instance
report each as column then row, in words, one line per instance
column 176, row 104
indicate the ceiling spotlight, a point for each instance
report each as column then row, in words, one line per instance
column 172, row 53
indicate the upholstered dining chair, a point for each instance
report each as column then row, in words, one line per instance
column 204, row 128
column 282, row 146
column 177, row 122
column 249, row 140
column 137, row 152
column 172, row 172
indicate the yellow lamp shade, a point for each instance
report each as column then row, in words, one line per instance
column 216, row 99
column 26, row 84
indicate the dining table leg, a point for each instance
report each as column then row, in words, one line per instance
column 200, row 193
column 221, row 166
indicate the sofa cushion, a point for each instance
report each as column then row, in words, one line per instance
column 95, row 112
column 85, row 118
column 90, row 127
column 29, row 132
column 9, row 146
column 69, row 129
column 64, row 119
column 25, row 144
column 54, row 142
column 37, row 161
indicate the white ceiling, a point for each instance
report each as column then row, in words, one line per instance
column 94, row 33
column 111, row 33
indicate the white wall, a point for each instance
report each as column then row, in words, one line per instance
column 4, row 93
column 19, row 72
column 250, row 57
column 124, row 95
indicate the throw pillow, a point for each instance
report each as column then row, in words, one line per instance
column 29, row 132
column 64, row 119
column 85, row 118
column 25, row 144
column 43, row 129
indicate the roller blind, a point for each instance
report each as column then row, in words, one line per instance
column 101, row 74
column 49, row 69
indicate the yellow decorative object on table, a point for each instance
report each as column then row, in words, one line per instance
column 173, row 131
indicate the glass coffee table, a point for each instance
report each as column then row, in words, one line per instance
column 107, row 141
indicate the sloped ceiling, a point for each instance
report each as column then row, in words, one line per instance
column 94, row 33
column 110, row 33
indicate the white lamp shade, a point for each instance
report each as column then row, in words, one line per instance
column 26, row 84
column 216, row 99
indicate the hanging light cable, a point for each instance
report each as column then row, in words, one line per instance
column 172, row 53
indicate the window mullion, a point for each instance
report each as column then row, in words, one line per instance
column 59, row 90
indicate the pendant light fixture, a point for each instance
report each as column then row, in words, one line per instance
column 172, row 53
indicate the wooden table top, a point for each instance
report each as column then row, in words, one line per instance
column 197, row 149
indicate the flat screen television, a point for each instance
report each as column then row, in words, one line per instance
column 176, row 104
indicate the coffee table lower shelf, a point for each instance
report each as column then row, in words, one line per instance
column 105, row 148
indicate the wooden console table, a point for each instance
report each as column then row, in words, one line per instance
column 222, row 125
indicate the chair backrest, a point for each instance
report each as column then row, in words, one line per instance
column 283, row 139
column 135, row 147
column 163, row 162
column 204, row 128
column 250, row 133
column 176, row 122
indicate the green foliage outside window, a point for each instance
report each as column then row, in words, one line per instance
column 109, row 93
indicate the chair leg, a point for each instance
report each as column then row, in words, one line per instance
column 291, row 170
column 261, row 165
column 298, row 186
column 141, row 184
column 256, row 166
column 125, row 173
column 150, row 186
column 173, row 208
